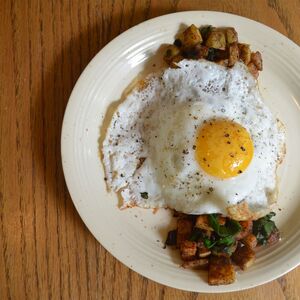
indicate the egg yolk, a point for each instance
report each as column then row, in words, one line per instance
column 224, row 149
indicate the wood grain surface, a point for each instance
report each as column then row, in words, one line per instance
column 46, row 252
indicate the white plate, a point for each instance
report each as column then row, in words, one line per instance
column 135, row 236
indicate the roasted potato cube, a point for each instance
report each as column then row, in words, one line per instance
column 188, row 250
column 216, row 39
column 244, row 257
column 245, row 53
column 184, row 230
column 171, row 52
column 203, row 223
column 200, row 51
column 234, row 55
column 231, row 35
column 257, row 60
column 274, row 237
column 253, row 70
column 246, row 229
column 195, row 263
column 250, row 241
column 220, row 271
column 222, row 220
column 191, row 37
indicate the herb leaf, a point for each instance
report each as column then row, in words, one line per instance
column 263, row 227
column 205, row 31
column 208, row 243
column 227, row 241
column 232, row 227
column 144, row 195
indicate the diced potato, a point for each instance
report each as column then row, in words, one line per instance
column 203, row 223
column 250, row 241
column 246, row 229
column 216, row 39
column 220, row 271
column 245, row 53
column 195, row 263
column 191, row 37
column 231, row 35
column 257, row 60
column 244, row 257
column 201, row 51
column 188, row 250
column 253, row 70
column 234, row 55
column 171, row 52
column 184, row 229
column 221, row 220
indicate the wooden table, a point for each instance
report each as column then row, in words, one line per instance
column 46, row 252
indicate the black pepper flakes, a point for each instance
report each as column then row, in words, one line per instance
column 185, row 151
column 242, row 148
column 226, row 135
column 228, row 142
column 194, row 147
column 240, row 171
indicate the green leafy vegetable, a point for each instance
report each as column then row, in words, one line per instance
column 208, row 243
column 231, row 228
column 227, row 241
column 225, row 235
column 263, row 227
column 205, row 30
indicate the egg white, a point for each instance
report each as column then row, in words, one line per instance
column 149, row 154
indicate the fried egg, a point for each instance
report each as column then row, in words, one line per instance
column 197, row 139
